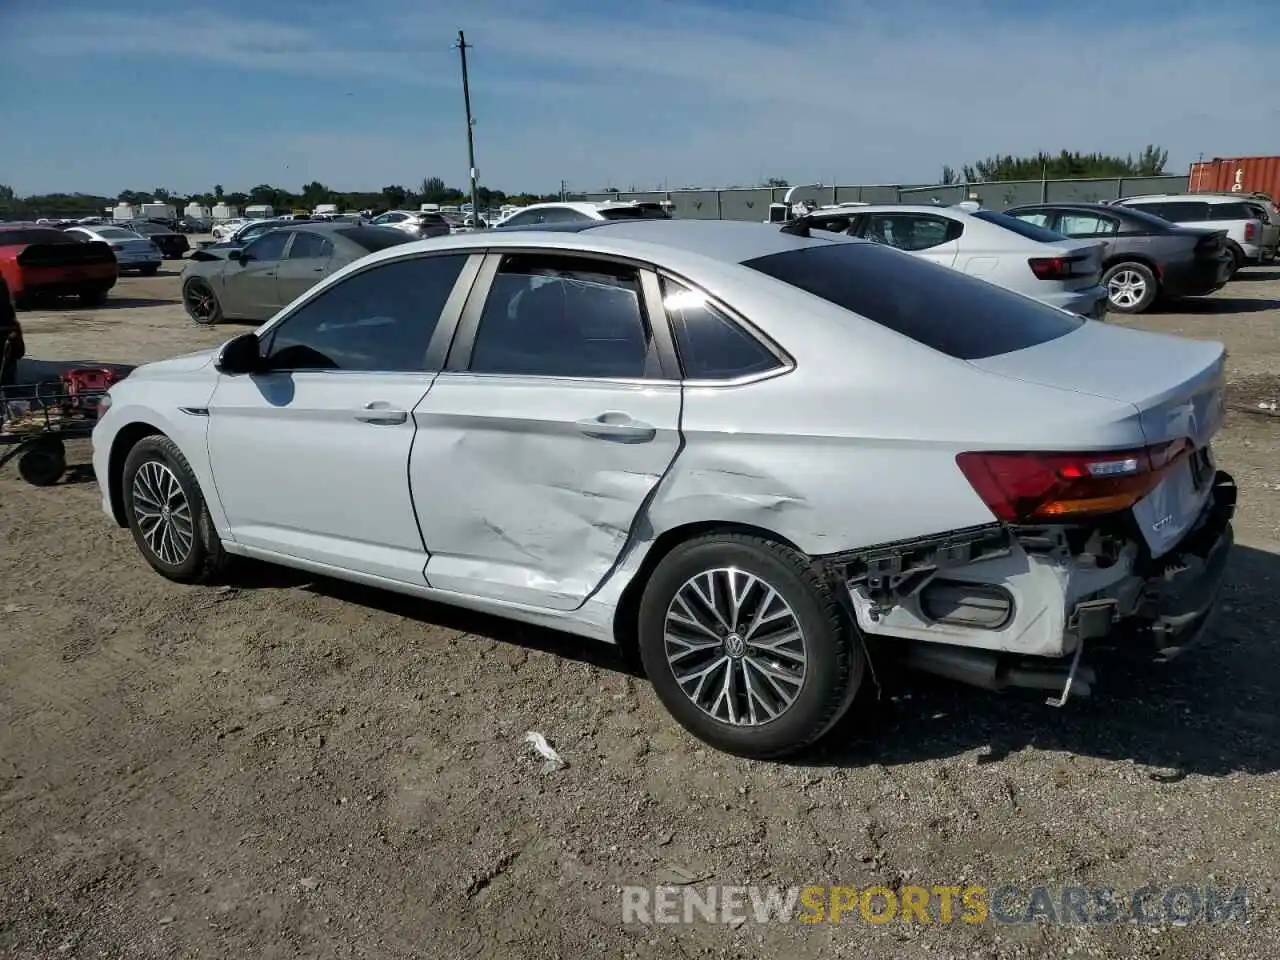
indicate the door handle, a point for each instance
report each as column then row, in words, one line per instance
column 381, row 413
column 617, row 426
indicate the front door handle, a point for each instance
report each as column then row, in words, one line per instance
column 617, row 426
column 381, row 413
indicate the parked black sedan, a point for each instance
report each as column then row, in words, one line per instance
column 171, row 243
column 1147, row 258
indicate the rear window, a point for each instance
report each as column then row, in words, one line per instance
column 635, row 213
column 1020, row 227
column 115, row 233
column 37, row 235
column 375, row 238
column 955, row 314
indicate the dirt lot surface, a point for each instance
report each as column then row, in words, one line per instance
column 287, row 768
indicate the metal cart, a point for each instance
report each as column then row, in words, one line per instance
column 36, row 420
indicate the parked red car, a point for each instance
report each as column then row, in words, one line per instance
column 38, row 261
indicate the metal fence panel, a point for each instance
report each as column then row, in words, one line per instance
column 746, row 204
column 1137, row 186
column 697, row 204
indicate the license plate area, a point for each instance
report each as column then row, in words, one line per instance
column 1166, row 514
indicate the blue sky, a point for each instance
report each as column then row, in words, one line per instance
column 105, row 95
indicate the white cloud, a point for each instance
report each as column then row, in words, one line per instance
column 686, row 93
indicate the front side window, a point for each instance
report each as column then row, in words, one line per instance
column 1036, row 218
column 712, row 345
column 269, row 246
column 381, row 319
column 556, row 316
column 1087, row 225
column 831, row 224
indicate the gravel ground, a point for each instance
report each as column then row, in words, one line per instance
column 292, row 768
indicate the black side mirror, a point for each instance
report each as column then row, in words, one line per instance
column 242, row 354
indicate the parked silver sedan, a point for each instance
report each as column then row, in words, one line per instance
column 133, row 251
column 764, row 459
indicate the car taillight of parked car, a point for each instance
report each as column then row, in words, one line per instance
column 1250, row 231
column 1024, row 487
column 1057, row 268
column 117, row 246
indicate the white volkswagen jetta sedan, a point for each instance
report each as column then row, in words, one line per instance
column 761, row 457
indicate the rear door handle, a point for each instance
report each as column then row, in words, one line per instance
column 617, row 426
column 381, row 413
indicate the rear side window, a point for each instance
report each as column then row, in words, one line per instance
column 955, row 314
column 712, row 346
column 1021, row 227
column 1235, row 211
column 1176, row 211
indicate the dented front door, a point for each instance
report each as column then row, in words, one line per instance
column 526, row 488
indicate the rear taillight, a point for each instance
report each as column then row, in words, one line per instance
column 1041, row 487
column 1250, row 231
column 1057, row 268
column 117, row 246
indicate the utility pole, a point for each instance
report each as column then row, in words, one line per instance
column 471, row 135
column 564, row 190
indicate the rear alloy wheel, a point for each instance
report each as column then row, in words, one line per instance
column 167, row 514
column 1131, row 287
column 746, row 646
column 200, row 302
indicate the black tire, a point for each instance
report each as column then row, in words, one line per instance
column 1131, row 287
column 43, row 464
column 93, row 296
column 150, row 270
column 203, row 560
column 200, row 302
column 1237, row 260
column 834, row 659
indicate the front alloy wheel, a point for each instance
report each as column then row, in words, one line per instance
column 1131, row 287
column 164, row 515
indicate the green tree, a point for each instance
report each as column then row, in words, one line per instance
column 434, row 190
column 776, row 182
column 161, row 194
column 217, row 191
column 1068, row 165
column 949, row 175
column 315, row 193
column 394, row 196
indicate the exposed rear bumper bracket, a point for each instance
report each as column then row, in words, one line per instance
column 891, row 572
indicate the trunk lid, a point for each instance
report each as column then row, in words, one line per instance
column 1086, row 258
column 1176, row 384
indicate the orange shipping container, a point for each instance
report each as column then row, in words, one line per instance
column 1236, row 175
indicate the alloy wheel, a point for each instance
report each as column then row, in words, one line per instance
column 735, row 647
column 1126, row 289
column 199, row 301
column 163, row 512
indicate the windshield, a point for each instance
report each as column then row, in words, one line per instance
column 953, row 313
column 375, row 238
column 1020, row 227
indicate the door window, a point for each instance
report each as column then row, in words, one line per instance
column 310, row 246
column 712, row 346
column 269, row 246
column 1087, row 225
column 1037, row 219
column 553, row 316
column 380, row 319
column 831, row 224
column 911, row 231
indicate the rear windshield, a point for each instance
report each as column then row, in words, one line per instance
column 36, row 235
column 375, row 238
column 1020, row 227
column 955, row 314
column 635, row 213
column 115, row 233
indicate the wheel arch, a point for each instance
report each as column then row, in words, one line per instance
column 1118, row 258
column 626, row 616
column 126, row 438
